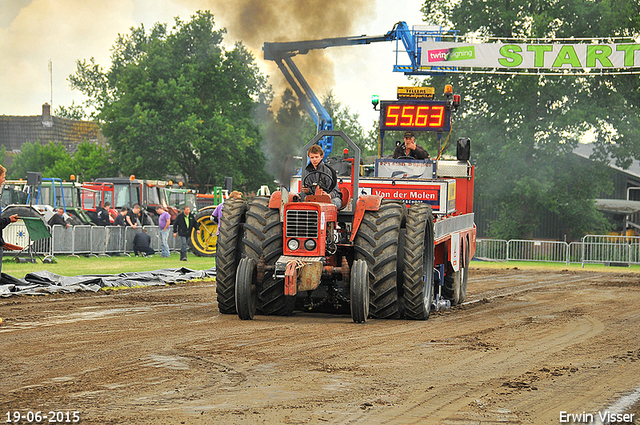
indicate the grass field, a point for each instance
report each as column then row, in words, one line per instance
column 74, row 266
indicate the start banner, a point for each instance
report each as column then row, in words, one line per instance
column 552, row 56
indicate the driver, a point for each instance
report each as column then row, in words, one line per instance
column 409, row 148
column 321, row 176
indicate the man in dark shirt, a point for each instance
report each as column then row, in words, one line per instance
column 103, row 214
column 183, row 226
column 120, row 219
column 320, row 173
column 134, row 217
column 410, row 149
column 58, row 218
column 141, row 244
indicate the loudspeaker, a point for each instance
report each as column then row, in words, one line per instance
column 463, row 151
column 34, row 178
column 228, row 183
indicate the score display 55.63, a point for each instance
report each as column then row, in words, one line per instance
column 415, row 115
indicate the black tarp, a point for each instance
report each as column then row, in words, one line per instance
column 45, row 282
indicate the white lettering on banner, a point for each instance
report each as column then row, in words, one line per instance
column 553, row 56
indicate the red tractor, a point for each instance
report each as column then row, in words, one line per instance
column 396, row 248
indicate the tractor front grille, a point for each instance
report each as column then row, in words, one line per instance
column 302, row 224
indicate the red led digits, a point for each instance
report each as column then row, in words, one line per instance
column 414, row 116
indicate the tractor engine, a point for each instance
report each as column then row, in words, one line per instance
column 309, row 246
column 309, row 229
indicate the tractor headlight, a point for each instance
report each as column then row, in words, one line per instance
column 310, row 244
column 293, row 244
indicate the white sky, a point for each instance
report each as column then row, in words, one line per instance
column 32, row 32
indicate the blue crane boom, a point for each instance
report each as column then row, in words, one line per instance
column 283, row 52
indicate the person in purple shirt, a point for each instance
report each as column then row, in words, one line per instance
column 164, row 222
column 216, row 215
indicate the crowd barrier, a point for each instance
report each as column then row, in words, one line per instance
column 114, row 240
column 85, row 240
column 600, row 249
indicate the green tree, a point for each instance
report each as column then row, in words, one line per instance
column 524, row 128
column 38, row 157
column 345, row 120
column 178, row 102
column 52, row 160
column 73, row 112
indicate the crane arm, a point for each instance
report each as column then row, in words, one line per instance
column 282, row 54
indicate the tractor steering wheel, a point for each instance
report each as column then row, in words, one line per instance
column 320, row 182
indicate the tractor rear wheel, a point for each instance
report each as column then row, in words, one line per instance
column 204, row 244
column 455, row 283
column 359, row 297
column 263, row 238
column 461, row 277
column 246, row 291
column 377, row 244
column 418, row 262
column 228, row 253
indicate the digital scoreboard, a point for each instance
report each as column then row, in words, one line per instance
column 415, row 115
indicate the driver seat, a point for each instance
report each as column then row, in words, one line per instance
column 346, row 197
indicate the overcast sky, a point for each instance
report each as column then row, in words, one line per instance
column 33, row 32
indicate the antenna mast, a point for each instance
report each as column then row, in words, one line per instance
column 51, row 82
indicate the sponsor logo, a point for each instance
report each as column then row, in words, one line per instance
column 453, row 54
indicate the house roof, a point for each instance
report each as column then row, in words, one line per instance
column 585, row 150
column 17, row 130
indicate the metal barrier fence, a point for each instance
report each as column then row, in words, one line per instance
column 495, row 249
column 611, row 249
column 110, row 240
column 84, row 240
column 601, row 249
column 527, row 250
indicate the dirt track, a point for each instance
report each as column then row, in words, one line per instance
column 529, row 345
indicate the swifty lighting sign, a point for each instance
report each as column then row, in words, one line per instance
column 537, row 56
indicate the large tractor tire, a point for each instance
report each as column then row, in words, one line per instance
column 359, row 297
column 22, row 211
column 246, row 291
column 418, row 262
column 263, row 238
column 455, row 284
column 204, row 244
column 461, row 276
column 229, row 253
column 377, row 244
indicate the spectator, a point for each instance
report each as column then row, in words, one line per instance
column 134, row 217
column 184, row 225
column 4, row 221
column 142, row 244
column 164, row 222
column 103, row 215
column 216, row 215
column 58, row 218
column 120, row 219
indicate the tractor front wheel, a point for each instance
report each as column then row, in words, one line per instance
column 359, row 291
column 377, row 244
column 246, row 291
column 229, row 251
column 418, row 262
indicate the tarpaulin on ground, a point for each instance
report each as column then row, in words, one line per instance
column 45, row 282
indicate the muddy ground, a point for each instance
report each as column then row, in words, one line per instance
column 529, row 345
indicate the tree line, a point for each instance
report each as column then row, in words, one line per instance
column 176, row 102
